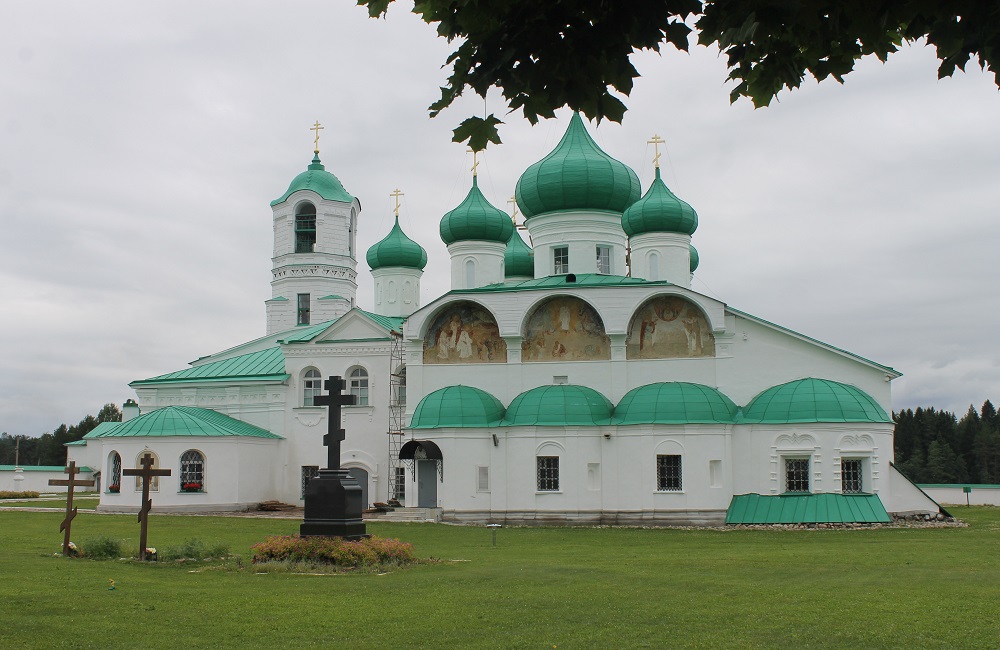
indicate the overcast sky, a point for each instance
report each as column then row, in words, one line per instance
column 141, row 142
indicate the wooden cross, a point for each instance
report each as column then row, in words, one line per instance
column 475, row 161
column 147, row 473
column 316, row 128
column 70, row 483
column 656, row 142
column 396, row 194
column 335, row 400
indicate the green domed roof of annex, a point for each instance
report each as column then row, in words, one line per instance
column 457, row 406
column 397, row 250
column 557, row 405
column 813, row 400
column 695, row 258
column 317, row 179
column 674, row 402
column 577, row 175
column 659, row 210
column 519, row 259
column 475, row 219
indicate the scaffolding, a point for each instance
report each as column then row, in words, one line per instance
column 397, row 408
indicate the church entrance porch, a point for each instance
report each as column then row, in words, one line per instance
column 428, row 466
column 427, row 477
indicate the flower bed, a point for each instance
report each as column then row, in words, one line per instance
column 371, row 552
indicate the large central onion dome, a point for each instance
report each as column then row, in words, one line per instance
column 577, row 175
column 397, row 250
column 475, row 219
column 316, row 179
column 659, row 210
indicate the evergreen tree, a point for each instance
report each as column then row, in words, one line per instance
column 989, row 414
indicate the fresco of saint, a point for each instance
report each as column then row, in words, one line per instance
column 565, row 329
column 669, row 327
column 464, row 333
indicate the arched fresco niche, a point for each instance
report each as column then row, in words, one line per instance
column 464, row 332
column 669, row 327
column 565, row 329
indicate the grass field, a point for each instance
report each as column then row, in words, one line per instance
column 539, row 588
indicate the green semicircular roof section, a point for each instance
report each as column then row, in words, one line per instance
column 558, row 405
column 576, row 175
column 476, row 219
column 659, row 210
column 316, row 179
column 457, row 406
column 674, row 402
column 397, row 250
column 265, row 365
column 813, row 400
column 518, row 259
column 185, row 421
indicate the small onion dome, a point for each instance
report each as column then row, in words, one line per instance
column 519, row 260
column 475, row 219
column 695, row 259
column 674, row 402
column 813, row 400
column 558, row 405
column 457, row 406
column 397, row 250
column 317, row 179
column 577, row 175
column 659, row 210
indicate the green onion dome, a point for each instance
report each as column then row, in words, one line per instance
column 475, row 219
column 695, row 258
column 813, row 400
column 674, row 402
column 397, row 250
column 317, row 179
column 577, row 175
column 659, row 210
column 457, row 406
column 519, row 260
column 558, row 405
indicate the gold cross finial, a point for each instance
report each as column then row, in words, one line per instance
column 475, row 161
column 316, row 128
column 513, row 215
column 656, row 142
column 396, row 194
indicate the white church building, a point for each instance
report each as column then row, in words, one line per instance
column 573, row 378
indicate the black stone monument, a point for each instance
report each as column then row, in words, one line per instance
column 333, row 499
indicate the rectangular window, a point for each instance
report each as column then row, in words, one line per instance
column 604, row 260
column 715, row 473
column 308, row 472
column 303, row 309
column 399, row 492
column 850, row 476
column 668, row 473
column 548, row 473
column 560, row 260
column 482, row 479
column 796, row 475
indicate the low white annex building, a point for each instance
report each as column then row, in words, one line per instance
column 576, row 380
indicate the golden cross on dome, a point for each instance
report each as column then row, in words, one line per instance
column 396, row 194
column 513, row 215
column 316, row 128
column 656, row 142
column 475, row 161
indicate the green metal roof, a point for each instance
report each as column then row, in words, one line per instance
column 674, row 402
column 813, row 400
column 397, row 250
column 576, row 175
column 806, row 509
column 394, row 323
column 695, row 258
column 75, row 443
column 475, row 219
column 518, row 259
column 186, row 421
column 556, row 405
column 560, row 281
column 659, row 210
column 332, row 296
column 307, row 333
column 101, row 429
column 265, row 365
column 41, row 468
column 317, row 179
column 457, row 406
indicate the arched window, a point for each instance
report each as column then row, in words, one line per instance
column 359, row 386
column 305, row 228
column 192, row 471
column 114, row 473
column 312, row 386
column 654, row 267
column 154, row 481
column 470, row 274
column 401, row 386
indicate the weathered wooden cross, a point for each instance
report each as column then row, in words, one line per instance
column 146, row 473
column 335, row 434
column 69, row 483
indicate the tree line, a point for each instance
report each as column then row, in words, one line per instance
column 49, row 449
column 936, row 447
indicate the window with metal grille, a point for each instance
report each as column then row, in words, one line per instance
column 399, row 492
column 115, row 484
column 303, row 309
column 604, row 259
column 548, row 473
column 192, row 471
column 850, row 476
column 668, row 473
column 359, row 386
column 308, row 472
column 305, row 228
column 796, row 475
column 560, row 260
column 482, row 479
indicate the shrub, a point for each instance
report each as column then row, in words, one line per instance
column 371, row 552
column 5, row 494
column 194, row 549
column 102, row 548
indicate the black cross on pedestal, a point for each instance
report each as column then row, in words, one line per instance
column 147, row 473
column 334, row 432
column 70, row 483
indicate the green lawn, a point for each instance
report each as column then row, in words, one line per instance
column 539, row 588
column 83, row 504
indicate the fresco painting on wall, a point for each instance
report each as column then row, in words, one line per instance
column 464, row 333
column 669, row 327
column 565, row 329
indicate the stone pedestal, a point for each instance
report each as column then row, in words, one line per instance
column 333, row 506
